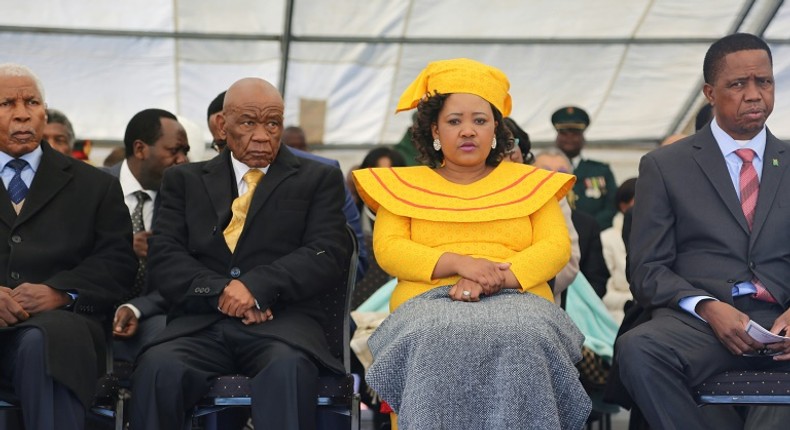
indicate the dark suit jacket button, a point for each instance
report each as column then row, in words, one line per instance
column 15, row 276
column 752, row 265
column 235, row 272
column 16, row 238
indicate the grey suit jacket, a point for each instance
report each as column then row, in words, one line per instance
column 689, row 234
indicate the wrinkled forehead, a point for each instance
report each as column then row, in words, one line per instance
column 19, row 87
column 255, row 109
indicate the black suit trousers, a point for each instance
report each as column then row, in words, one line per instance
column 46, row 404
column 172, row 376
column 662, row 360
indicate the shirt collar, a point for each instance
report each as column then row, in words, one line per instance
column 33, row 158
column 239, row 169
column 576, row 160
column 728, row 145
column 130, row 184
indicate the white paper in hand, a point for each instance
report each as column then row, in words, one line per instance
column 762, row 335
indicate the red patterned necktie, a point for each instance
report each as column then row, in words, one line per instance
column 750, row 189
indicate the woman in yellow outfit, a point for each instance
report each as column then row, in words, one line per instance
column 474, row 340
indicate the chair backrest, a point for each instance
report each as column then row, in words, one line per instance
column 745, row 387
column 337, row 305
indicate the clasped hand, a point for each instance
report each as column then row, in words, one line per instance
column 479, row 277
column 237, row 301
column 11, row 312
column 28, row 299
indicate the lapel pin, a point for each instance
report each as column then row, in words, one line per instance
column 775, row 162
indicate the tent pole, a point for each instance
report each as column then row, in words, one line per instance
column 286, row 45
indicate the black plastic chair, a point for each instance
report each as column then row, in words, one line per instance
column 745, row 388
column 338, row 401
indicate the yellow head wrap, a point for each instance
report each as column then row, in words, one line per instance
column 460, row 75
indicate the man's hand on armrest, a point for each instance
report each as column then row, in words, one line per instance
column 125, row 323
column 729, row 326
column 236, row 299
column 37, row 298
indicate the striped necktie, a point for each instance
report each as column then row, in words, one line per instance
column 750, row 189
column 137, row 226
column 17, row 189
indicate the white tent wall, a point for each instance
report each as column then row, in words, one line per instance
column 634, row 65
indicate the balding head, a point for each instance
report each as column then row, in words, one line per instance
column 252, row 121
column 553, row 159
column 249, row 88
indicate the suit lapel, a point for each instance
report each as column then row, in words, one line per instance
column 710, row 159
column 7, row 212
column 218, row 180
column 51, row 177
column 285, row 165
column 769, row 181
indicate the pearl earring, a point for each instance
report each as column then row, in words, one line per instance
column 437, row 145
column 493, row 143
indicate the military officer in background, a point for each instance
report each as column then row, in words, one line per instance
column 594, row 192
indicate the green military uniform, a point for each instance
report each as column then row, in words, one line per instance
column 595, row 188
column 406, row 148
column 594, row 191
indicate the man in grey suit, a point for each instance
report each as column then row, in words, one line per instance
column 154, row 141
column 711, row 228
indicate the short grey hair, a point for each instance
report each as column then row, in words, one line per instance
column 55, row 116
column 13, row 69
column 553, row 152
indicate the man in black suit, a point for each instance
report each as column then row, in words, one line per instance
column 66, row 256
column 243, row 275
column 154, row 141
column 709, row 245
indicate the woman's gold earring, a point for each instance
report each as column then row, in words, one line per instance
column 493, row 143
column 437, row 145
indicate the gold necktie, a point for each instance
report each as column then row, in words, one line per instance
column 240, row 207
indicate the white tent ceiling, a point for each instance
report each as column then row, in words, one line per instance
column 635, row 65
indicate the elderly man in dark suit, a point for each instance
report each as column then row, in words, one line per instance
column 243, row 245
column 154, row 141
column 710, row 238
column 66, row 258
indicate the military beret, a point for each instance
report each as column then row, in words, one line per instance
column 570, row 117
